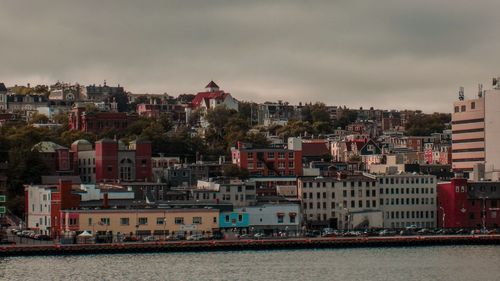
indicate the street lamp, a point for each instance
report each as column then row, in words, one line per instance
column 484, row 212
column 348, row 218
column 444, row 215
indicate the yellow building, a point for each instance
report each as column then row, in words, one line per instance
column 141, row 221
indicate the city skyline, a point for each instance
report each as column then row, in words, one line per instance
column 339, row 54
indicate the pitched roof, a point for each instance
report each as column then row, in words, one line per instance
column 212, row 85
column 2, row 87
column 47, row 147
column 315, row 149
column 205, row 96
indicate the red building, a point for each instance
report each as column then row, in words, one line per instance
column 113, row 161
column 268, row 162
column 99, row 121
column 465, row 204
column 57, row 158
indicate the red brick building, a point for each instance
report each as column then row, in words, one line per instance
column 113, row 161
column 57, row 158
column 268, row 162
column 99, row 121
column 465, row 204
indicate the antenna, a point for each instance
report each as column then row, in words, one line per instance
column 480, row 90
column 461, row 95
column 495, row 83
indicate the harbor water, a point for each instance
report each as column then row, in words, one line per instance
column 411, row 263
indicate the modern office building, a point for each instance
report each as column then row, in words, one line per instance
column 407, row 199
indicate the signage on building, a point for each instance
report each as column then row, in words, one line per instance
column 188, row 227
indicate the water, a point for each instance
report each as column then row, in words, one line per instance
column 385, row 264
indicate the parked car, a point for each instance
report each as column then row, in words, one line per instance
column 425, row 231
column 43, row 237
column 7, row 242
column 258, row 235
column 150, row 239
column 461, row 231
column 216, row 236
column 130, row 239
column 387, row 232
column 312, row 233
column 195, row 237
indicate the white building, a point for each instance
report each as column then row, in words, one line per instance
column 274, row 217
column 344, row 203
column 236, row 192
column 38, row 217
column 492, row 131
column 407, row 200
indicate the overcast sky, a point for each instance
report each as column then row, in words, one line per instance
column 387, row 54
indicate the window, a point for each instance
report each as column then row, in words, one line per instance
column 280, row 219
column 292, row 219
column 281, row 155
column 240, row 218
column 270, row 155
column 290, row 155
column 179, row 220
column 143, row 221
column 105, row 221
column 456, row 109
column 196, row 220
column 160, row 221
column 90, row 221
column 290, row 164
column 124, row 221
column 472, row 105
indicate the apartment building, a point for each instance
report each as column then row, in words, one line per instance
column 467, row 124
column 343, row 202
column 407, row 200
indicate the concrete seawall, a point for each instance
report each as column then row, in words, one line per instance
column 241, row 245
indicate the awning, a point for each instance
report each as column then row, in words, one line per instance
column 292, row 214
column 280, row 214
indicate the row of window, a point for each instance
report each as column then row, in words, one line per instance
column 409, row 215
column 323, row 205
column 82, row 161
column 278, row 165
column 412, row 190
column 408, row 201
column 409, row 223
column 272, row 173
column 424, row 180
column 271, row 155
column 344, row 184
column 142, row 221
column 463, row 108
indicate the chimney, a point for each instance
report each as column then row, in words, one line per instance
column 105, row 201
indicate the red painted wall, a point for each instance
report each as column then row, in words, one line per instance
column 106, row 162
column 143, row 168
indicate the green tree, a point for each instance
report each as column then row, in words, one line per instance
column 233, row 171
column 421, row 124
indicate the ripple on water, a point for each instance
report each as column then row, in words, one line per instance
column 387, row 264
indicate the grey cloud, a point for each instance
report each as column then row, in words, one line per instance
column 387, row 54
